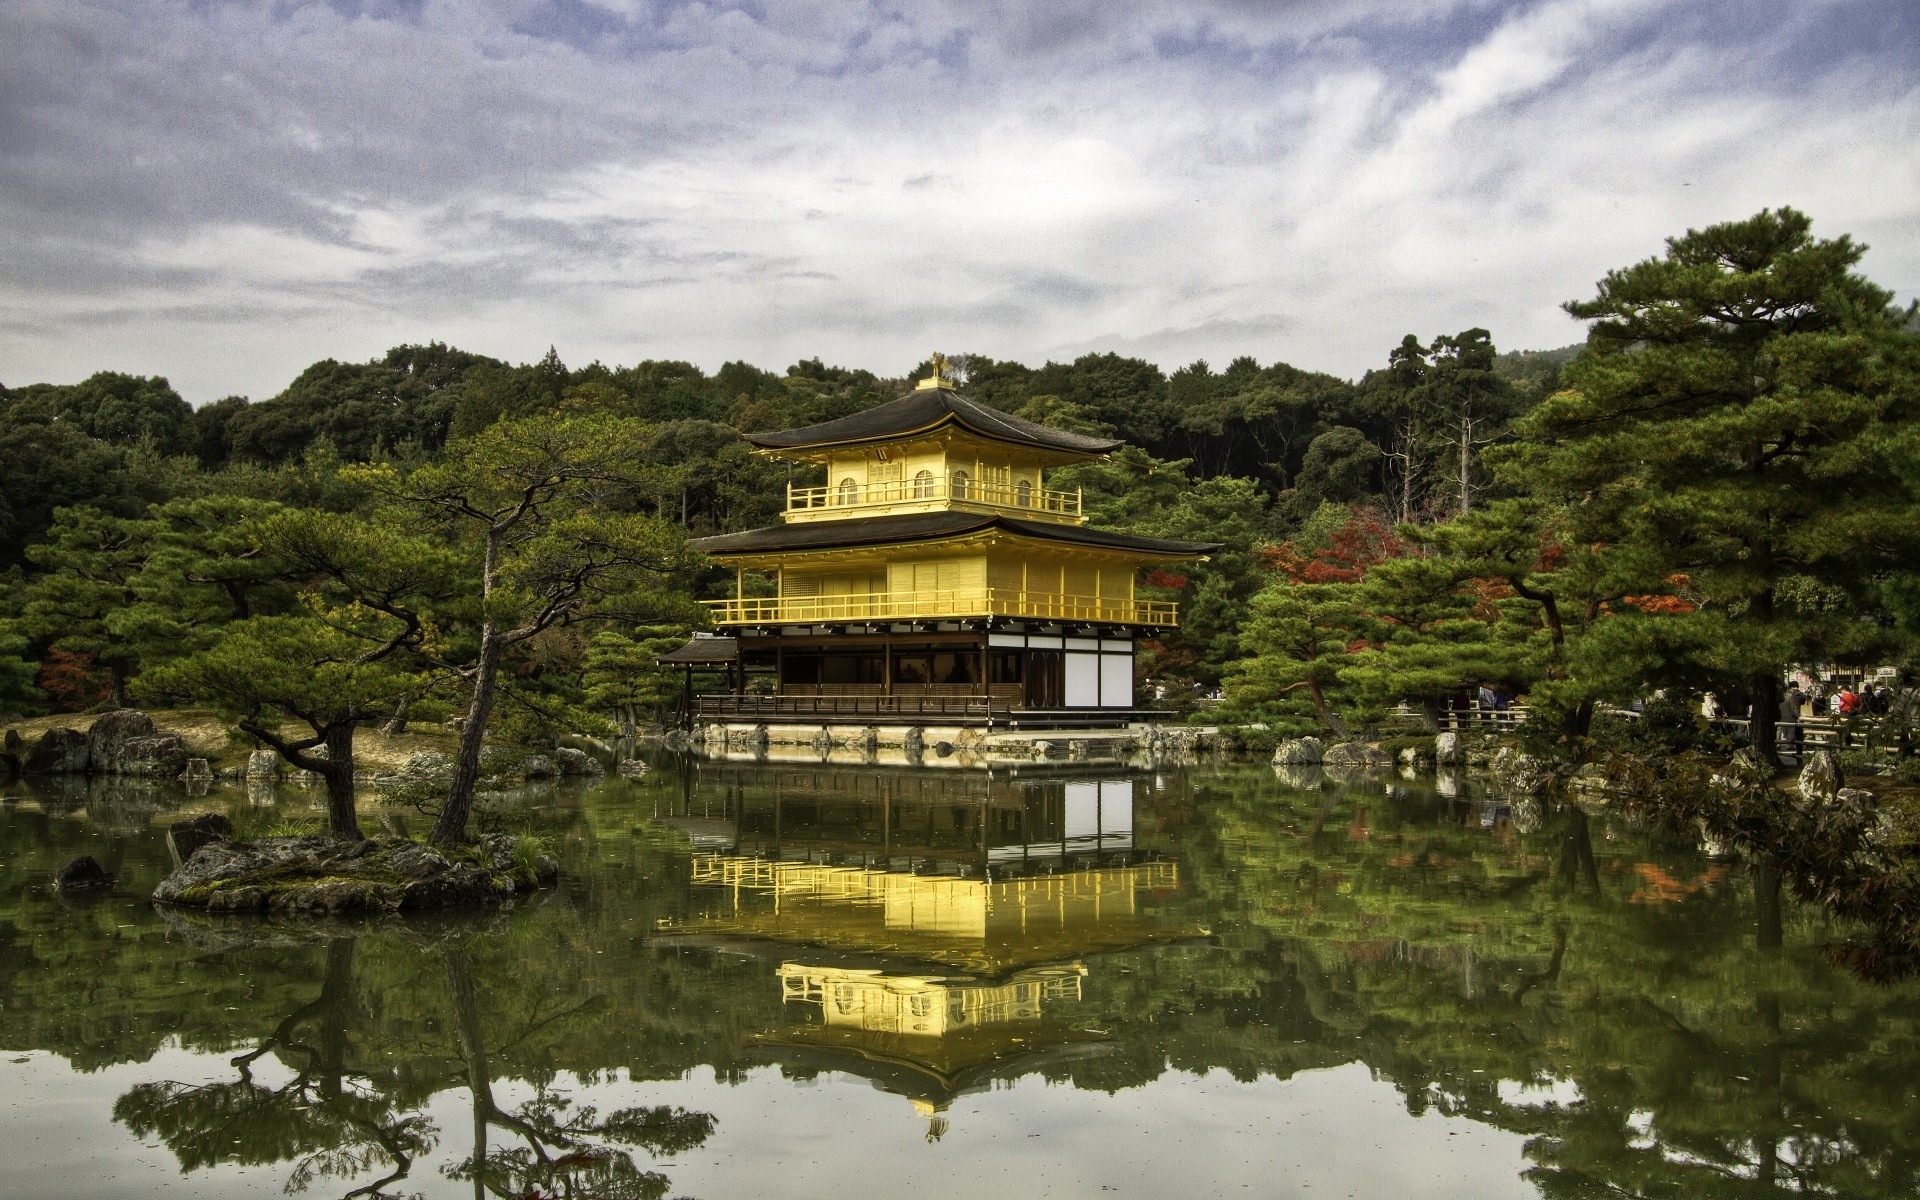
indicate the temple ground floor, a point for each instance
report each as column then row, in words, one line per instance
column 945, row 674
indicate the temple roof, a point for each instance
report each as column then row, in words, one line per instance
column 934, row 526
column 702, row 650
column 923, row 411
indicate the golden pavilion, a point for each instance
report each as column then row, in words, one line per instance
column 933, row 577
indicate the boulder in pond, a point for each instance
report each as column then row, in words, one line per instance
column 1519, row 772
column 570, row 762
column 185, row 837
column 83, row 874
column 161, row 756
column 60, row 751
column 1449, row 748
column 263, row 764
column 1299, row 752
column 109, row 736
column 1355, row 754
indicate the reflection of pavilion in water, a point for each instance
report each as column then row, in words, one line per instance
column 998, row 884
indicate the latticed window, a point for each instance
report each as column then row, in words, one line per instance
column 923, row 485
column 849, row 492
column 960, row 481
column 1023, row 493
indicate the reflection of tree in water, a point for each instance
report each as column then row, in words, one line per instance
column 334, row 1120
column 568, row 1151
column 330, row 1123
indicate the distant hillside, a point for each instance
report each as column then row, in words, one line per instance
column 1535, row 370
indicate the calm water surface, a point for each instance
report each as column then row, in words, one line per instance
column 817, row 981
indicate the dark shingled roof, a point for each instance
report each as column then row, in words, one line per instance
column 703, row 650
column 923, row 409
column 920, row 527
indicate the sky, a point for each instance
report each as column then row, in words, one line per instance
column 223, row 192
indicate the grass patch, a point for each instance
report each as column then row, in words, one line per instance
column 1421, row 742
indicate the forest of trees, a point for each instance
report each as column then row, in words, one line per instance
column 1719, row 483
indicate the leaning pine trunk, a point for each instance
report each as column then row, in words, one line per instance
column 1329, row 720
column 451, row 827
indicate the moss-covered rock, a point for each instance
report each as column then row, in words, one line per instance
column 321, row 876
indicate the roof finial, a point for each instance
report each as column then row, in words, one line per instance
column 941, row 377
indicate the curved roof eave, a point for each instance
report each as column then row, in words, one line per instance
column 934, row 527
column 925, row 411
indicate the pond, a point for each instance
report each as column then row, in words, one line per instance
column 815, row 981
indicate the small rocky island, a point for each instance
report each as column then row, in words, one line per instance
column 323, row 876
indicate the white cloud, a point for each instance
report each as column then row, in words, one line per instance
column 225, row 194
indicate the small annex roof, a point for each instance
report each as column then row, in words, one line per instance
column 925, row 410
column 701, row 651
column 934, row 526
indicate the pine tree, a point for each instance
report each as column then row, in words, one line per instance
column 1731, row 426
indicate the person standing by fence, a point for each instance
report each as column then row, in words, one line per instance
column 1791, row 735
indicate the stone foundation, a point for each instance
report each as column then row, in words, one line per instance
column 947, row 745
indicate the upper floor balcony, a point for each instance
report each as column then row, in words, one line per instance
column 929, row 491
column 942, row 605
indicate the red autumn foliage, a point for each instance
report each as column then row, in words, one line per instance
column 1360, row 543
column 1486, row 595
column 1664, row 603
column 1553, row 553
column 1173, row 581
column 1663, row 888
column 73, row 681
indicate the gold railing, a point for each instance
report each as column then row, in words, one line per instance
column 976, row 602
column 933, row 488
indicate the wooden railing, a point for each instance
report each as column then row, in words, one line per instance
column 976, row 602
column 939, row 487
column 791, row 706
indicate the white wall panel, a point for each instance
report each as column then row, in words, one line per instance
column 1083, row 810
column 1116, row 681
column 1083, row 680
column 1116, row 808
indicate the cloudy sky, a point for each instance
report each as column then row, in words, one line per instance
column 224, row 192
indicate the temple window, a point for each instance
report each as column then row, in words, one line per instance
column 1023, row 493
column 923, row 485
column 960, row 485
column 849, row 492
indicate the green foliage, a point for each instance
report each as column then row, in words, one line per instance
column 622, row 673
column 1733, row 395
column 268, row 671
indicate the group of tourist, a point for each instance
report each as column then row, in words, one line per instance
column 1814, row 697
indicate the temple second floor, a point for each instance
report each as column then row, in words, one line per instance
column 941, row 566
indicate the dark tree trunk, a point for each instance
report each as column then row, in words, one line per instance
column 1577, row 866
column 466, row 1027
column 1430, row 714
column 451, row 827
column 1329, row 720
column 1766, row 904
column 336, row 1016
column 1763, row 729
column 342, row 821
column 1578, row 721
